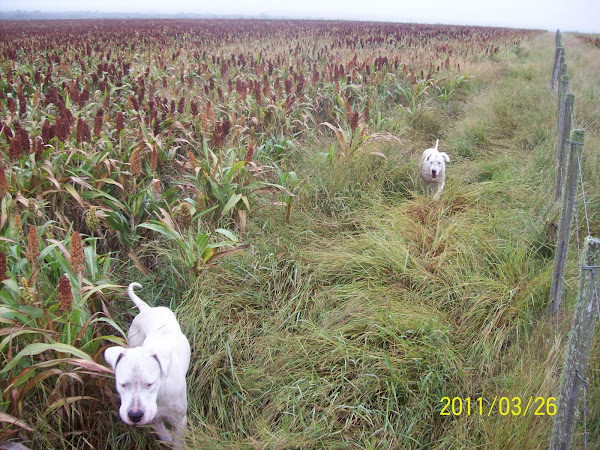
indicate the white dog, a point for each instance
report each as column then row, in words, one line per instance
column 150, row 373
column 433, row 170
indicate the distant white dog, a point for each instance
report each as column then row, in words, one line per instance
column 433, row 170
column 150, row 373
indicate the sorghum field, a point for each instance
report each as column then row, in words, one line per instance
column 260, row 178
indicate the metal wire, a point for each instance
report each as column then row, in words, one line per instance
column 585, row 433
column 587, row 218
column 582, row 266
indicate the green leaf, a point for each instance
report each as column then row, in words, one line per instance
column 37, row 348
column 206, row 211
column 11, row 284
column 216, row 190
column 231, row 203
column 233, row 169
column 162, row 229
column 228, row 234
column 245, row 200
column 109, row 181
column 201, row 240
column 65, row 401
column 208, row 253
column 98, row 288
column 113, row 324
column 109, row 197
column 13, row 335
column 144, row 130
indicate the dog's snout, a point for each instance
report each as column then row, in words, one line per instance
column 135, row 416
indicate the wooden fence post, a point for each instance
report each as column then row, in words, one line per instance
column 578, row 351
column 556, row 68
column 564, row 129
column 563, row 89
column 559, row 49
column 564, row 223
column 561, row 73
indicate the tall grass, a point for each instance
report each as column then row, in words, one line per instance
column 346, row 325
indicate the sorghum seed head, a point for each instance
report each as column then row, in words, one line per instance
column 200, row 202
column 65, row 294
column 154, row 160
column 184, row 216
column 15, row 150
column 3, row 275
column 33, row 246
column 204, row 124
column 135, row 163
column 27, row 293
column 97, row 125
column 3, row 183
column 193, row 161
column 77, row 257
column 17, row 228
column 354, row 120
column 250, row 151
column 92, row 219
column 120, row 124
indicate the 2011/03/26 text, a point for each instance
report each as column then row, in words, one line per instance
column 538, row 406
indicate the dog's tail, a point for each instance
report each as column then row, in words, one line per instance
column 134, row 298
column 436, row 143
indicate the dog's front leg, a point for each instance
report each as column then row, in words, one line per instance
column 427, row 189
column 179, row 432
column 163, row 434
column 438, row 191
column 178, row 427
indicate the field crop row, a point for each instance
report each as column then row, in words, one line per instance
column 115, row 134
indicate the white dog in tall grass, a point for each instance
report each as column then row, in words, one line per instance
column 433, row 170
column 150, row 373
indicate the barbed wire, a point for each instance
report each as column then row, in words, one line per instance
column 585, row 433
column 589, row 233
column 582, row 266
column 585, row 208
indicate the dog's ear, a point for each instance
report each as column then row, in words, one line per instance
column 112, row 355
column 163, row 357
column 446, row 157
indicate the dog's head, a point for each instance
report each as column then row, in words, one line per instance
column 138, row 373
column 435, row 163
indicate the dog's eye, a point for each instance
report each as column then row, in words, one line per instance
column 124, row 385
column 149, row 385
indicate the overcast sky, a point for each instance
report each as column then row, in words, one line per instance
column 566, row 15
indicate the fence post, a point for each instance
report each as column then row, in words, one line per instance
column 561, row 73
column 564, row 223
column 559, row 49
column 564, row 129
column 578, row 351
column 563, row 89
column 556, row 68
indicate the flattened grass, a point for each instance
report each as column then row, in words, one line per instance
column 347, row 327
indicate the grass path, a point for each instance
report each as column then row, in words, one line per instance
column 345, row 328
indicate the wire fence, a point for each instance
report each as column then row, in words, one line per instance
column 573, row 380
